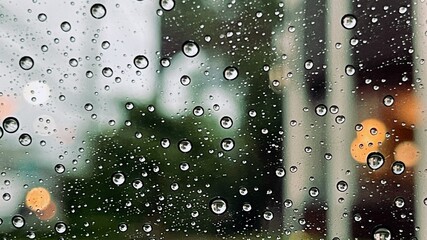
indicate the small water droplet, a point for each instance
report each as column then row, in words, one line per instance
column 165, row 62
column 403, row 10
column 185, row 80
column 147, row 228
column 218, row 206
column 6, row 196
column 137, row 184
column 342, row 186
column 398, row 167
column 26, row 63
column 382, row 234
column 60, row 227
column 59, row 168
column 73, row 62
column 243, row 191
column 190, row 48
column 247, row 207
column 231, row 73
column 340, row 119
column 65, row 26
column 268, row 215
column 321, row 110
column 25, row 139
column 123, row 227
column 375, row 160
column 118, row 178
column 280, row 172
column 42, row 17
column 288, row 203
column 184, row 146
column 308, row 64
column 334, row 109
column 165, row 143
column 184, row 166
column 388, row 100
column 88, row 107
column 227, row 144
column 18, row 221
column 167, row 5
column 140, row 62
column 314, row 192
column 348, row 21
column 357, row 217
column 98, row 11
column 107, row 72
column 105, row 44
column 399, row 202
column 226, row 122
column 350, row 70
column 174, row 186
column 10, row 124
column 198, row 111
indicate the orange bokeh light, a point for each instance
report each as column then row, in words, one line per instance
column 407, row 152
column 47, row 213
column 360, row 149
column 37, row 199
column 374, row 130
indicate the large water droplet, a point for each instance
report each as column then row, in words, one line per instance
column 308, row 64
column 382, row 234
column 226, row 122
column 118, row 178
column 218, row 206
column 167, row 5
column 190, row 48
column 375, row 160
column 42, row 17
column 321, row 110
column 280, row 172
column 107, row 72
column 98, row 11
column 350, row 70
column 60, row 227
column 25, row 139
column 65, row 26
column 349, row 21
column 18, row 221
column 227, row 144
column 184, row 146
column 10, row 124
column 141, row 61
column 198, row 111
column 26, row 63
column 59, row 168
column 7, row 196
column 398, row 167
column 231, row 73
column 185, row 80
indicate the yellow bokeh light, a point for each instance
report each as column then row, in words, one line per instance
column 37, row 199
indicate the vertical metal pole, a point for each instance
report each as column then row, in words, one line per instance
column 419, row 42
column 339, row 136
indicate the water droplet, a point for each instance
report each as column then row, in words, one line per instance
column 18, row 221
column 340, row 119
column 388, row 100
column 268, row 215
column 358, row 127
column 174, row 186
column 399, row 202
column 357, row 217
column 185, row 80
column 334, row 109
column 165, row 143
column 26, row 63
column 10, row 124
column 398, row 167
column 118, row 178
column 98, row 11
column 60, row 227
column 226, row 122
column 227, row 144
column 147, row 228
column 107, row 72
column 25, row 139
column 198, row 111
column 167, row 5
column 403, row 10
column 88, row 107
column 247, row 207
column 1, row 132
column 243, row 191
column 321, row 110
column 349, row 21
column 184, row 166
column 342, row 186
column 184, row 146
column 141, row 62
column 105, row 44
column 314, row 192
column 137, row 184
column 42, row 17
column 375, row 160
column 382, row 234
column 44, row 48
column 218, row 206
column 73, row 62
column 288, row 203
column 129, row 105
column 308, row 64
column 59, row 168
column 231, row 73
column 123, row 227
column 280, row 172
column 190, row 48
column 6, row 196
column 252, row 113
column 65, row 26
column 350, row 70
column 31, row 235
column 165, row 62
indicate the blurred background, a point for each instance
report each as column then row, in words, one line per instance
column 212, row 119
